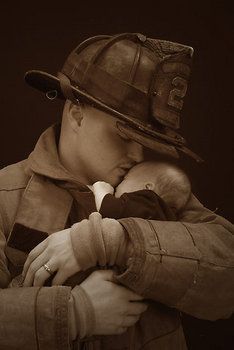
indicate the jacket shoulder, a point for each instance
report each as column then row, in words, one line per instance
column 14, row 176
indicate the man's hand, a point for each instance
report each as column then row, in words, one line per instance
column 55, row 251
column 116, row 308
column 91, row 242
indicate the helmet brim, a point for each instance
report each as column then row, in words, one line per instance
column 143, row 134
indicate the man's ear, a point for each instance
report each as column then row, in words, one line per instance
column 150, row 186
column 75, row 115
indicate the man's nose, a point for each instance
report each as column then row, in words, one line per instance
column 135, row 152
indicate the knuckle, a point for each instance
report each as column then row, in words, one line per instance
column 31, row 255
column 130, row 322
column 123, row 312
column 37, row 277
column 31, row 269
column 137, row 296
column 144, row 306
column 124, row 320
column 55, row 282
column 136, row 318
column 122, row 330
column 50, row 249
column 141, row 308
column 96, row 274
column 138, row 309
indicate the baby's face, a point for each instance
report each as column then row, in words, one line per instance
column 130, row 183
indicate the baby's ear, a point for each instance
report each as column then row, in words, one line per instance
column 150, row 186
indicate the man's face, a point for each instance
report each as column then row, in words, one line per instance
column 102, row 154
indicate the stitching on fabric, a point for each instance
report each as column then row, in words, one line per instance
column 191, row 236
column 61, row 318
column 13, row 189
column 173, row 256
column 207, row 262
column 156, row 272
column 139, row 249
column 190, row 287
column 35, row 318
column 156, row 236
column 135, row 268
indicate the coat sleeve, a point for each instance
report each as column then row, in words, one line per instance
column 32, row 318
column 144, row 204
column 188, row 264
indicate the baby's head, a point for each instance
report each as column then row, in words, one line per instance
column 167, row 180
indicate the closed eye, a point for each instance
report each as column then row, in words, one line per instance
column 123, row 137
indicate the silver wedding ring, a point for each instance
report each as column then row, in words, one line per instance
column 48, row 269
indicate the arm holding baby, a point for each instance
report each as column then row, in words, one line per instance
column 150, row 190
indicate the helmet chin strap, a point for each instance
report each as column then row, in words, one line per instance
column 65, row 85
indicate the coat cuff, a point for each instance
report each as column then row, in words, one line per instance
column 84, row 314
column 182, row 265
column 133, row 276
column 52, row 318
column 164, row 262
column 34, row 318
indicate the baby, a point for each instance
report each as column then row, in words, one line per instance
column 150, row 190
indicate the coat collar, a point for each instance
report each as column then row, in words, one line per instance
column 44, row 160
column 48, row 198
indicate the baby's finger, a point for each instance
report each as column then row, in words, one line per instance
column 34, row 254
column 136, row 308
column 130, row 320
column 134, row 296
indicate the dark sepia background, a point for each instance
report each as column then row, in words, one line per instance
column 39, row 35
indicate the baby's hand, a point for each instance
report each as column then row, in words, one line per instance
column 100, row 189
